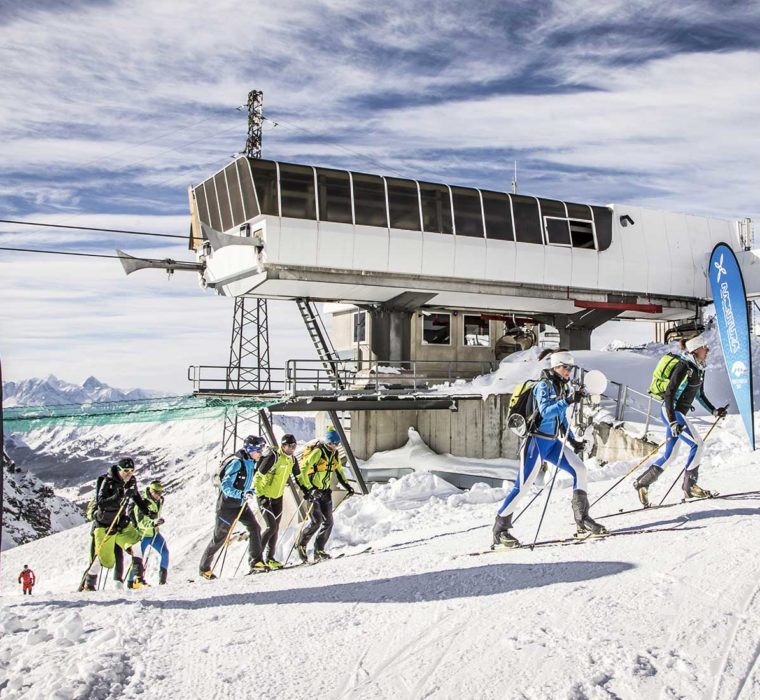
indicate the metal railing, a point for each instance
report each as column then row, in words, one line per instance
column 214, row 378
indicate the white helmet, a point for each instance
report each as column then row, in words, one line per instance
column 698, row 341
column 561, row 358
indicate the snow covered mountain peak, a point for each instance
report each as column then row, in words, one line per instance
column 51, row 391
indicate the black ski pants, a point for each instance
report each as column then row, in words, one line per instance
column 227, row 510
column 271, row 509
column 320, row 521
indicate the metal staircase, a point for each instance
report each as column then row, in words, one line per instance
column 321, row 339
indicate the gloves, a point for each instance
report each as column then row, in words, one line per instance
column 250, row 496
column 721, row 412
column 576, row 397
column 158, row 522
column 577, row 445
column 676, row 428
column 311, row 494
column 349, row 490
column 131, row 490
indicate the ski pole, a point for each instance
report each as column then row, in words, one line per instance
column 556, row 470
column 530, row 503
column 298, row 534
column 629, row 472
column 704, row 439
column 242, row 556
column 103, row 541
column 227, row 540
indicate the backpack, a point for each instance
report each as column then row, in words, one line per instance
column 662, row 373
column 92, row 504
column 223, row 468
column 522, row 403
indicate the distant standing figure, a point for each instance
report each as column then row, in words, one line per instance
column 27, row 579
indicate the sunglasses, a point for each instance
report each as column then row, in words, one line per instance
column 127, row 469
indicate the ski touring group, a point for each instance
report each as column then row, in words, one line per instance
column 127, row 522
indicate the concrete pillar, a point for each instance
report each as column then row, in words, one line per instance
column 391, row 335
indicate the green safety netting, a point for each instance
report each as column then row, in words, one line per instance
column 159, row 410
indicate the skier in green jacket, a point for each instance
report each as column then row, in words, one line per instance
column 148, row 525
column 318, row 463
column 272, row 475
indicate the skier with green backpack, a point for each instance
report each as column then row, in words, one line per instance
column 678, row 380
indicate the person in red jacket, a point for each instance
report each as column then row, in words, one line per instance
column 28, row 579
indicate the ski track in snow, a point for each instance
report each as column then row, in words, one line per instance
column 659, row 615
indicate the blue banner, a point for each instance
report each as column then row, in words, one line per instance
column 731, row 313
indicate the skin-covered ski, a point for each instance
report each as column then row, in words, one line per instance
column 579, row 539
column 678, row 503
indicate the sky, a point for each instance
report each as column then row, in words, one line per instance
column 110, row 109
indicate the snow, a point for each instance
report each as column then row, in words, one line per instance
column 667, row 614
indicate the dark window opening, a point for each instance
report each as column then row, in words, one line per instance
column 603, row 222
column 527, row 222
column 297, row 192
column 468, row 217
column 236, row 199
column 369, row 200
column 334, row 189
column 582, row 234
column 403, row 204
column 436, row 208
column 250, row 207
column 436, row 329
column 476, row 331
column 498, row 216
column 224, row 201
column 360, row 327
column 265, row 179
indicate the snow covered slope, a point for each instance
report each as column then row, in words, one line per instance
column 669, row 614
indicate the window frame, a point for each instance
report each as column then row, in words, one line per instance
column 464, row 331
column 428, row 314
column 354, row 325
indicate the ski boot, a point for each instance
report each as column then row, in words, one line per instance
column 208, row 575
column 273, row 564
column 137, row 578
column 501, row 536
column 258, row 567
column 643, row 483
column 302, row 555
column 321, row 555
column 583, row 521
column 690, row 487
column 162, row 576
column 90, row 583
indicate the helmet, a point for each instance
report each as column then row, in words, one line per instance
column 561, row 358
column 288, row 439
column 156, row 486
column 254, row 443
column 698, row 341
column 126, row 463
column 332, row 436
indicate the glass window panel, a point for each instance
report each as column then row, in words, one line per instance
column 557, row 231
column 334, row 189
column 360, row 327
column 215, row 220
column 265, row 180
column 468, row 218
column 476, row 331
column 249, row 194
column 527, row 223
column 436, row 208
column 578, row 211
column 236, row 199
column 436, row 329
column 498, row 216
column 200, row 200
column 297, row 191
column 603, row 224
column 369, row 200
column 403, row 204
column 224, row 201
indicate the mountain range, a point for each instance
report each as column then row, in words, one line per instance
column 51, row 391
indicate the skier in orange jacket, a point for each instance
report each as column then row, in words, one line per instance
column 27, row 578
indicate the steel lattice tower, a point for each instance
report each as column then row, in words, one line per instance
column 249, row 367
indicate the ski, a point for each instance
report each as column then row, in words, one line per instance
column 678, row 503
column 366, row 550
column 578, row 539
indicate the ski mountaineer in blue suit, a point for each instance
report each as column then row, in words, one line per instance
column 552, row 395
column 686, row 384
column 236, row 489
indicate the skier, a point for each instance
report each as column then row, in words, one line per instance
column 236, row 496
column 272, row 474
column 113, row 524
column 318, row 463
column 678, row 392
column 552, row 395
column 27, row 579
column 148, row 526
